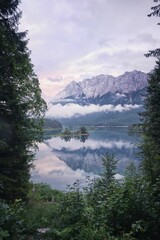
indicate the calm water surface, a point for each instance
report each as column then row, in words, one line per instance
column 60, row 162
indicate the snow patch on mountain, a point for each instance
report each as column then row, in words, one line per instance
column 100, row 85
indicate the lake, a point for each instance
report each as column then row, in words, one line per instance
column 61, row 162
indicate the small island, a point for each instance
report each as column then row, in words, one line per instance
column 81, row 134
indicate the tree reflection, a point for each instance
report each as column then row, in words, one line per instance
column 67, row 138
column 81, row 138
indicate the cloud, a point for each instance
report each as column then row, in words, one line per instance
column 145, row 38
column 70, row 30
column 103, row 42
column 55, row 79
column 74, row 145
column 114, row 61
column 71, row 109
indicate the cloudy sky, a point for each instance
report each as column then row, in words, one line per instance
column 76, row 39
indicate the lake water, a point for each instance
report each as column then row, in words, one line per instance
column 61, row 162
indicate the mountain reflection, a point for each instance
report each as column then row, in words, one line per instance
column 86, row 154
column 60, row 162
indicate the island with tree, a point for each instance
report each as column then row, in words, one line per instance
column 81, row 134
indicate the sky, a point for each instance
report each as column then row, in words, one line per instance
column 77, row 39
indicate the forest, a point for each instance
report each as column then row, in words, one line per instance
column 106, row 208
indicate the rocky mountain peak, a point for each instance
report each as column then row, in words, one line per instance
column 102, row 84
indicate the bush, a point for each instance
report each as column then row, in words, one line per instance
column 11, row 221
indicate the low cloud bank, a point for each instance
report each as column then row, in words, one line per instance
column 71, row 109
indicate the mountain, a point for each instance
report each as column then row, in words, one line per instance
column 101, row 100
column 128, row 88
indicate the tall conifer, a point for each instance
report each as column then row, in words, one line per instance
column 21, row 105
column 151, row 126
column 151, row 117
column 155, row 11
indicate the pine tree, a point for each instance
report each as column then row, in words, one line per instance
column 21, row 105
column 150, row 147
column 151, row 126
column 110, row 166
column 83, row 130
column 152, row 106
column 155, row 12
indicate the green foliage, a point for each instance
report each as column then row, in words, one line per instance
column 39, row 215
column 125, row 209
column 109, row 163
column 155, row 11
column 152, row 115
column 21, row 221
column 11, row 221
column 42, row 192
column 83, row 130
column 66, row 132
column 150, row 148
column 119, row 210
column 22, row 107
column 96, row 212
column 41, row 207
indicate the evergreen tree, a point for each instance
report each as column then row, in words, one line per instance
column 110, row 166
column 152, row 106
column 155, row 9
column 150, row 147
column 21, row 105
column 151, row 117
column 151, row 126
column 83, row 130
column 155, row 12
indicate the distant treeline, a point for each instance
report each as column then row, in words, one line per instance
column 104, row 119
column 52, row 124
